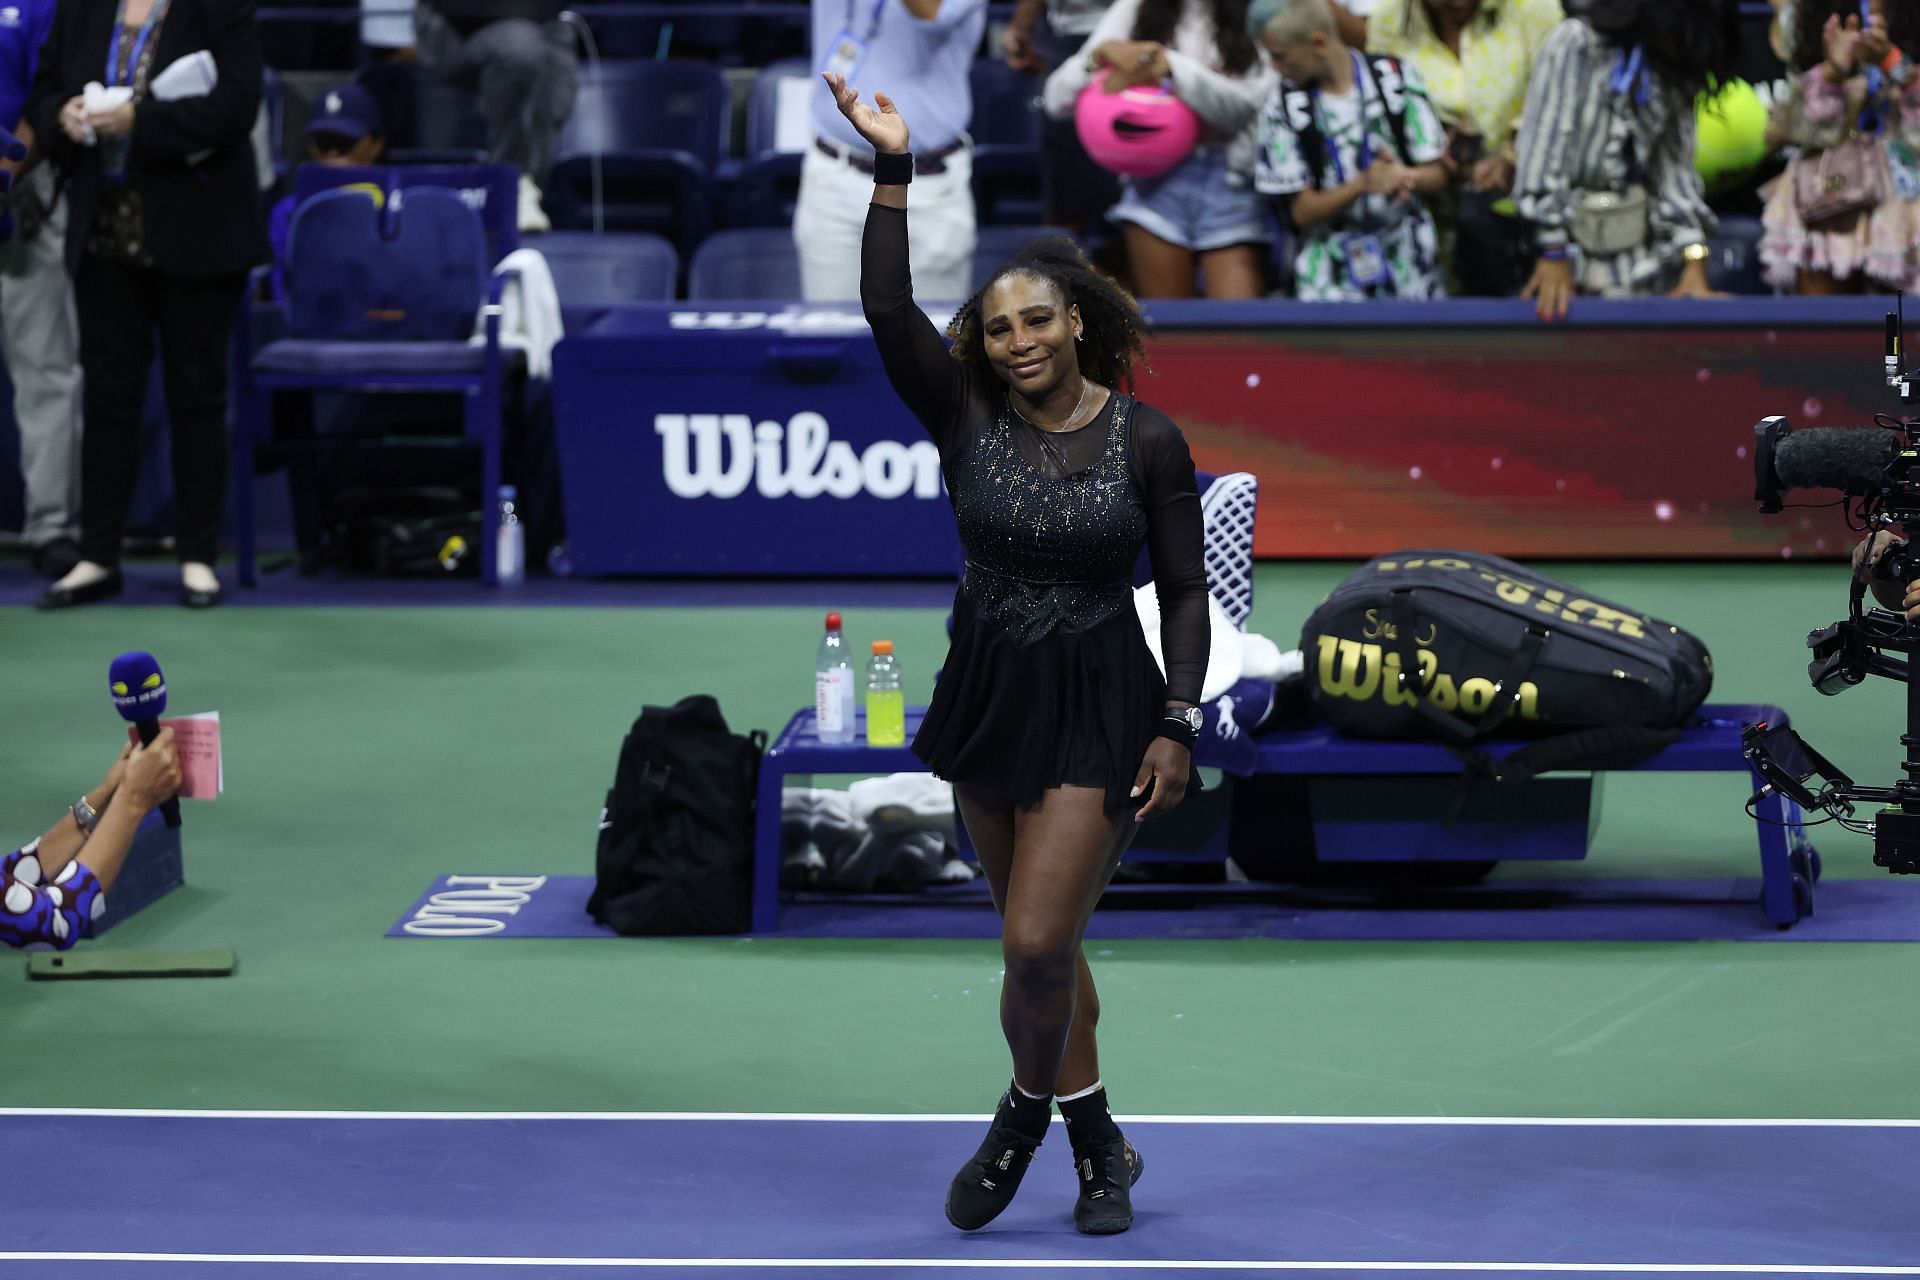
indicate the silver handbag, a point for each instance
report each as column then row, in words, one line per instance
column 1610, row 222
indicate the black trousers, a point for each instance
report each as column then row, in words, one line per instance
column 121, row 309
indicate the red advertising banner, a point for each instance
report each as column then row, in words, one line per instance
column 1542, row 440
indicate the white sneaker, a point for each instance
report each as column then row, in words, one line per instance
column 533, row 218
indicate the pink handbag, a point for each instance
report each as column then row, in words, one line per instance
column 1846, row 178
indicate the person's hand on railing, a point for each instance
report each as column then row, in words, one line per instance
column 1551, row 287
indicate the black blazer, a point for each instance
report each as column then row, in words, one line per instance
column 202, row 218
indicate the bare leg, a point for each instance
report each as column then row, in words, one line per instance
column 990, row 822
column 1066, row 849
column 1160, row 269
column 1821, row 284
column 1233, row 272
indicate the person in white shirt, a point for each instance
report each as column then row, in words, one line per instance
column 922, row 51
column 1204, row 213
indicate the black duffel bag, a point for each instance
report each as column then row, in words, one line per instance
column 1457, row 646
column 676, row 838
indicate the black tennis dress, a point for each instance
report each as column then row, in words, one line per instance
column 1048, row 681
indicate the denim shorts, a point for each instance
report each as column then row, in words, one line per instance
column 1199, row 205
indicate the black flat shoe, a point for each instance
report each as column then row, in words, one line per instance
column 985, row 1184
column 1107, row 1173
column 66, row 598
column 201, row 599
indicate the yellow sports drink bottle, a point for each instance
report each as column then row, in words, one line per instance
column 886, row 703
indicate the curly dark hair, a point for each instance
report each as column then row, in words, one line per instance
column 1810, row 48
column 1115, row 329
column 1157, row 19
column 1693, row 46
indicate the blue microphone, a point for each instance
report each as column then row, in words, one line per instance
column 140, row 696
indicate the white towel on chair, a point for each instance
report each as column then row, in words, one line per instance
column 529, row 311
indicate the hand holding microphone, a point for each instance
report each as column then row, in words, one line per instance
column 140, row 696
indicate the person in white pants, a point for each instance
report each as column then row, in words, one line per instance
column 922, row 52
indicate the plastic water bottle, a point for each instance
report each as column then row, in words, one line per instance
column 833, row 686
column 511, row 557
column 886, row 703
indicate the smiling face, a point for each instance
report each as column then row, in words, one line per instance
column 1029, row 332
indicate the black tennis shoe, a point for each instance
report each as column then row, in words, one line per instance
column 985, row 1185
column 1107, row 1172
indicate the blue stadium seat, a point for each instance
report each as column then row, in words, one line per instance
column 997, row 244
column 382, row 290
column 746, row 264
column 1006, row 134
column 768, row 183
column 594, row 272
column 658, row 130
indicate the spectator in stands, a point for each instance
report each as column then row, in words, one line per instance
column 1606, row 170
column 1205, row 213
column 163, row 223
column 519, row 55
column 1856, row 96
column 48, row 895
column 922, row 50
column 38, row 329
column 1355, row 148
column 1475, row 58
column 345, row 130
column 1042, row 35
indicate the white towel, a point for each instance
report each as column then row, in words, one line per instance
column 529, row 312
column 1232, row 655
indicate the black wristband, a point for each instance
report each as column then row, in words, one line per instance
column 1178, row 730
column 893, row 168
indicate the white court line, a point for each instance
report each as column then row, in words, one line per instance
column 839, row 1117
column 971, row 1264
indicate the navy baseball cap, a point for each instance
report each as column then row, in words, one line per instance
column 346, row 111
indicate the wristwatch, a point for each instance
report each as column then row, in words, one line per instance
column 1696, row 252
column 85, row 816
column 1190, row 721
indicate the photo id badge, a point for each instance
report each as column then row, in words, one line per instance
column 844, row 55
column 1366, row 261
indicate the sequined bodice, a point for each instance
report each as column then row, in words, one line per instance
column 1047, row 553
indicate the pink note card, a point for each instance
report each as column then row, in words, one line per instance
column 196, row 740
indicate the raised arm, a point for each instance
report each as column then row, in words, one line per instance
column 926, row 378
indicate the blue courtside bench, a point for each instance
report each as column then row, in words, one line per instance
column 1378, row 801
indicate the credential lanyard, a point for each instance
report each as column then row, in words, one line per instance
column 873, row 24
column 1360, row 82
column 154, row 16
column 1629, row 74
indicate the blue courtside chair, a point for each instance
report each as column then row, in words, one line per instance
column 658, row 131
column 746, row 264
column 381, row 295
column 491, row 189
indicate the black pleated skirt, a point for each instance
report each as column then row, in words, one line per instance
column 1074, row 708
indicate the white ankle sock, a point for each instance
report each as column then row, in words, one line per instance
column 1093, row 1088
column 84, row 574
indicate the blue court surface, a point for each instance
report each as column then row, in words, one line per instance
column 240, row 1195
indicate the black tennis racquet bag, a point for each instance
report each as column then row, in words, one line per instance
column 1459, row 646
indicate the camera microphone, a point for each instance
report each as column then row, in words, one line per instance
column 1851, row 459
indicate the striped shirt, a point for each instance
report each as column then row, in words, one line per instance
column 1580, row 136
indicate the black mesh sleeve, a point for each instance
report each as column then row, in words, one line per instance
column 926, row 378
column 1176, row 546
